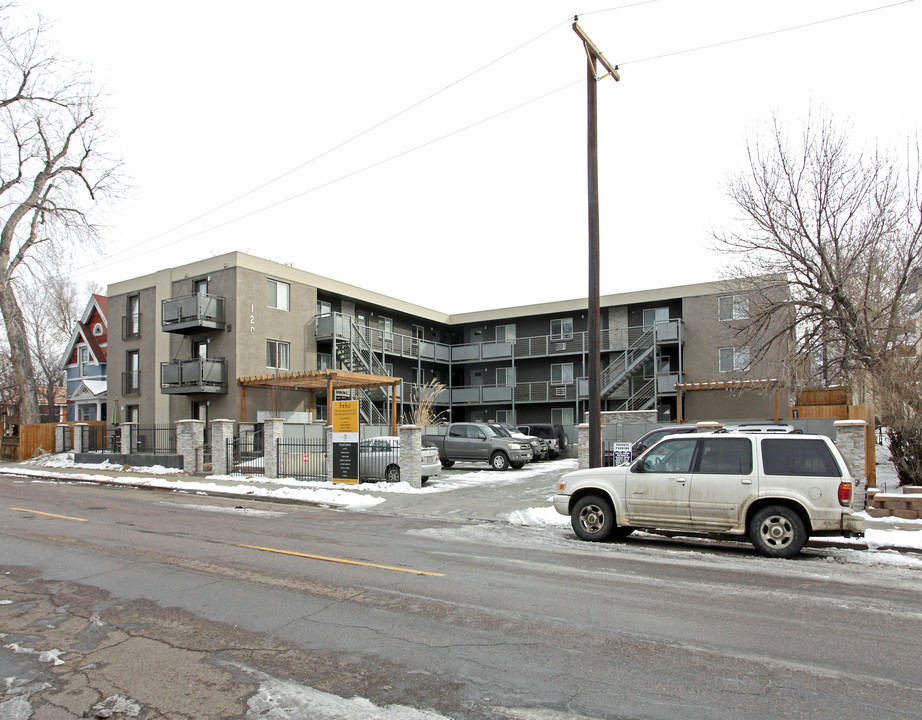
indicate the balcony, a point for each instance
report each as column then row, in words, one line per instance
column 199, row 375
column 192, row 313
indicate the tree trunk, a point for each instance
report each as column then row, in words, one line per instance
column 20, row 355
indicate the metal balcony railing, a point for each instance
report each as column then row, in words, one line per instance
column 198, row 375
column 190, row 313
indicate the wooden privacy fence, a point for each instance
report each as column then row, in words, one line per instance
column 33, row 438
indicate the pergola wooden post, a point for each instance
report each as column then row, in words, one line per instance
column 313, row 381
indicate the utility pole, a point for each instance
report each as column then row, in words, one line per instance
column 595, row 325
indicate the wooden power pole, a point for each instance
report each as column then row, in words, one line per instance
column 595, row 325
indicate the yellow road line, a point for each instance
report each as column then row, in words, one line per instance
column 39, row 512
column 342, row 560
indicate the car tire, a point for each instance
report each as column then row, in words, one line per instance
column 392, row 473
column 447, row 463
column 553, row 456
column 593, row 518
column 517, row 465
column 777, row 531
column 499, row 461
column 423, row 479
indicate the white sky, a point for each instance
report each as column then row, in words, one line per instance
column 211, row 100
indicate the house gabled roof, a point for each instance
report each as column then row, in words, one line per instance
column 89, row 389
column 84, row 333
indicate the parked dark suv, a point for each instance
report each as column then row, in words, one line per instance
column 555, row 435
column 648, row 440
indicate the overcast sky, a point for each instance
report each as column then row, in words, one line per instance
column 258, row 127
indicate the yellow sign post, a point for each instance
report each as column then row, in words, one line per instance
column 346, row 441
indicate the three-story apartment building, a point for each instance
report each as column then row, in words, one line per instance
column 188, row 333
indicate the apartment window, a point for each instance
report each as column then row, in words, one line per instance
column 651, row 316
column 387, row 327
column 324, row 307
column 733, row 358
column 562, row 416
column 131, row 384
column 505, row 376
column 561, row 373
column 324, row 361
column 733, row 307
column 505, row 416
column 200, row 286
column 200, row 411
column 361, row 318
column 83, row 360
column 389, row 369
column 277, row 354
column 132, row 328
column 505, row 333
column 277, row 294
column 562, row 329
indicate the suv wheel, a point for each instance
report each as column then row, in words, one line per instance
column 593, row 518
column 777, row 531
column 392, row 474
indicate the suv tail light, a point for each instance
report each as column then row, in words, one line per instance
column 845, row 494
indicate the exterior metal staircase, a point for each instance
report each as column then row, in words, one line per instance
column 355, row 355
column 627, row 362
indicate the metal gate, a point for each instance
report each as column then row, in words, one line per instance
column 245, row 454
column 302, row 458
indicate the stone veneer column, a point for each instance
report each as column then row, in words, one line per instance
column 125, row 430
column 620, row 418
column 850, row 439
column 273, row 429
column 411, row 448
column 59, row 437
column 190, row 443
column 78, row 436
column 222, row 431
column 583, row 449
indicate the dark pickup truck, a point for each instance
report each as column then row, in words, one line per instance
column 478, row 442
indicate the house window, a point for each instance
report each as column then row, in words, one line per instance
column 83, row 359
column 324, row 307
column 651, row 316
column 85, row 412
column 505, row 376
column 97, row 330
column 133, row 318
column 277, row 294
column 562, row 329
column 562, row 416
column 733, row 307
column 324, row 361
column 562, row 373
column 733, row 358
column 277, row 354
column 505, row 333
column 131, row 383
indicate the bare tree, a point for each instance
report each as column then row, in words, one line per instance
column 53, row 173
column 843, row 228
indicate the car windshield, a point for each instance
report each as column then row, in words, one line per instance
column 494, row 431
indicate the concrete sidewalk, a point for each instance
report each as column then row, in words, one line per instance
column 485, row 500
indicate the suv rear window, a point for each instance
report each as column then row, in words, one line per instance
column 787, row 456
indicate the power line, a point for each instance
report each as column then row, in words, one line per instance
column 766, row 34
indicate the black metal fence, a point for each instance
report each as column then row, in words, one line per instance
column 153, row 439
column 245, row 455
column 101, row 439
column 302, row 458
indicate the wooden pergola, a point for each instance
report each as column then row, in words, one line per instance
column 315, row 381
column 682, row 388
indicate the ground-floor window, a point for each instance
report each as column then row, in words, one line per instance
column 86, row 412
column 562, row 416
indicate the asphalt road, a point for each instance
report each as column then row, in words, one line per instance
column 170, row 605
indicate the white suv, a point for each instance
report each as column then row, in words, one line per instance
column 777, row 490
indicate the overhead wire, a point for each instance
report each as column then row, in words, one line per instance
column 110, row 261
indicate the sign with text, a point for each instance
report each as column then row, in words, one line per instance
column 346, row 441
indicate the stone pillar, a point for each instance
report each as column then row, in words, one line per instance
column 78, row 436
column 60, row 437
column 583, row 449
column 190, row 443
column 273, row 428
column 850, row 439
column 222, row 431
column 411, row 448
column 126, row 431
column 620, row 418
column 708, row 426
